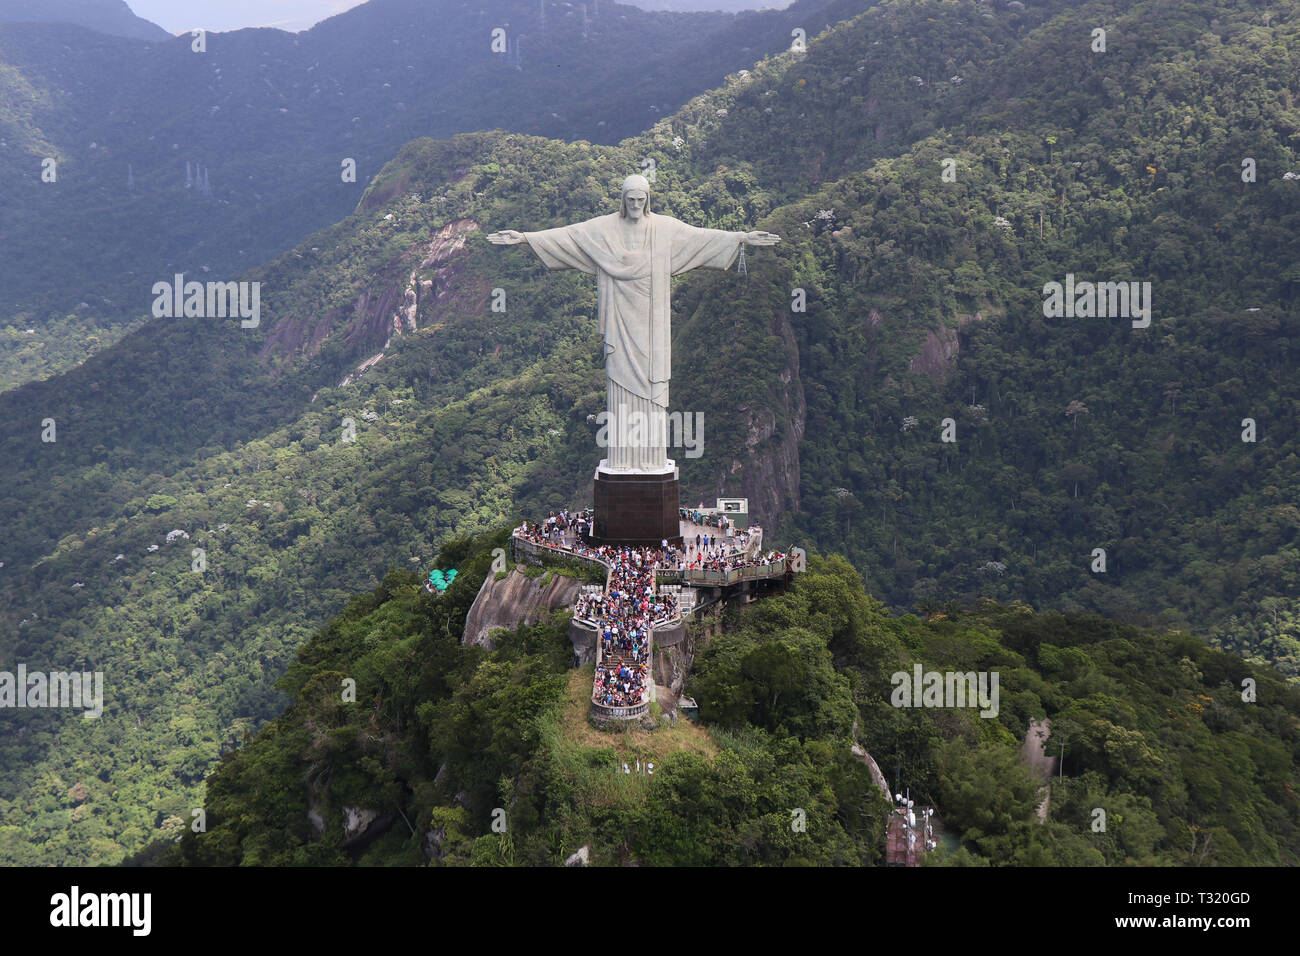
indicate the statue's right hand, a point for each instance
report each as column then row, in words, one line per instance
column 507, row 237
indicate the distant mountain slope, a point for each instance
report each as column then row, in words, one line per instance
column 730, row 6
column 924, row 302
column 271, row 118
column 113, row 17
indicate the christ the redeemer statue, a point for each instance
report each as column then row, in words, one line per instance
column 634, row 254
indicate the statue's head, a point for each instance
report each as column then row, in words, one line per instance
column 635, row 201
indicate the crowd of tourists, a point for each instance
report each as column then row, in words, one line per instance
column 624, row 615
column 707, row 518
column 558, row 528
column 661, row 608
column 705, row 552
column 629, row 607
column 720, row 559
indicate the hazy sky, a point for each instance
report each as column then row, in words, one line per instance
column 181, row 16
column 178, row 16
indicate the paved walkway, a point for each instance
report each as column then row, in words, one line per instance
column 619, row 657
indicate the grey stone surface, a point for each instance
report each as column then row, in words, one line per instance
column 634, row 254
column 515, row 599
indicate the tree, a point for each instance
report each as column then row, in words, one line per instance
column 1074, row 410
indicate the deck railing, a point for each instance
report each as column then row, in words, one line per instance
column 541, row 550
column 599, row 710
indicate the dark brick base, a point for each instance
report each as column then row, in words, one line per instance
column 636, row 509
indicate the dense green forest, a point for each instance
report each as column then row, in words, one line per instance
column 924, row 302
column 443, row 739
column 272, row 116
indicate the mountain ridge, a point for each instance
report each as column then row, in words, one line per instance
column 113, row 17
column 478, row 418
column 272, row 117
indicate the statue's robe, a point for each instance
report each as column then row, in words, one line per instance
column 635, row 316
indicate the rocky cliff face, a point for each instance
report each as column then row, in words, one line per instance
column 583, row 640
column 938, row 356
column 937, row 359
column 765, row 469
column 417, row 289
column 514, row 600
column 775, row 484
column 861, row 754
column 877, row 777
column 670, row 667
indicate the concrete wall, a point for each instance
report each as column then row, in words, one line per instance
column 583, row 640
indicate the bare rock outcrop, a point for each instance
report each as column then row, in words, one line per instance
column 357, row 820
column 580, row 858
column 873, row 768
column 671, row 665
column 938, row 357
column 514, row 600
column 399, row 300
column 765, row 469
column 1040, row 763
column 877, row 777
column 361, row 827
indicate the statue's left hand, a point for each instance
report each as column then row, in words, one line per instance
column 762, row 238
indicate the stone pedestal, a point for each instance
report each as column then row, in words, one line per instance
column 636, row 508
